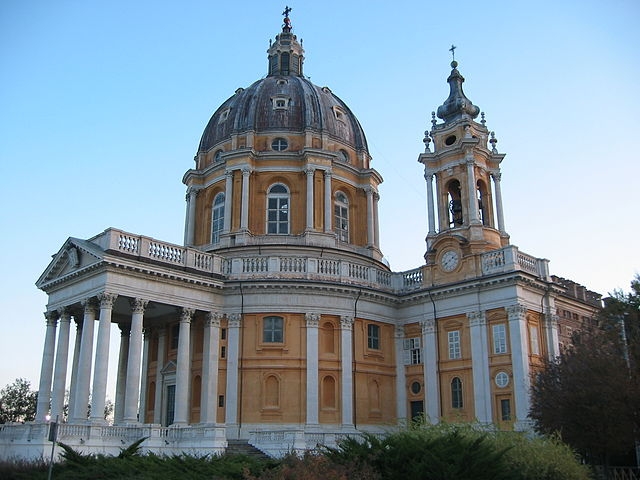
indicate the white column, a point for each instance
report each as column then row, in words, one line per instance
column 431, row 370
column 211, row 345
column 157, row 406
column 346, row 345
column 100, row 374
column 376, row 223
column 480, row 367
column 309, row 172
column 85, row 360
column 401, row 378
column 518, row 336
column 121, row 380
column 328, row 202
column 183, row 368
column 189, row 229
column 472, row 190
column 60, row 372
column 144, row 386
column 370, row 235
column 499, row 211
column 46, row 368
column 74, row 367
column 430, row 207
column 228, row 200
column 551, row 334
column 244, row 214
column 233, row 355
column 132, row 390
column 313, row 322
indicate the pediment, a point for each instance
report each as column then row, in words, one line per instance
column 169, row 368
column 74, row 256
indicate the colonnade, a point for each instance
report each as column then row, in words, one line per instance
column 373, row 233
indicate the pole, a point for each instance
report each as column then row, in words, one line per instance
column 53, row 436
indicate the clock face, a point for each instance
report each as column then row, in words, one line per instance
column 449, row 260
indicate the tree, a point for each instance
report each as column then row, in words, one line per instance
column 590, row 395
column 18, row 402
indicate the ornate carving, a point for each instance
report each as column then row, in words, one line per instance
column 309, row 171
column 327, row 174
column 186, row 314
column 496, row 176
column 107, row 299
column 234, row 320
column 312, row 319
column 516, row 312
column 246, row 171
column 51, row 317
column 64, row 313
column 399, row 331
column 90, row 306
column 477, row 319
column 213, row 319
column 346, row 322
column 428, row 326
column 138, row 305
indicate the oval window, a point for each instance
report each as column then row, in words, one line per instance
column 416, row 387
column 450, row 140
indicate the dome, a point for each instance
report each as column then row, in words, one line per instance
column 284, row 102
column 280, row 103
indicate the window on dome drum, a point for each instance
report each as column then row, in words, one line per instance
column 217, row 156
column 272, row 329
column 280, row 103
column 456, row 393
column 344, row 156
column 217, row 218
column 278, row 210
column 341, row 216
column 500, row 338
column 454, row 344
column 373, row 336
column 279, row 144
column 284, row 64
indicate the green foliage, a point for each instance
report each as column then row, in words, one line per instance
column 132, row 450
column 18, row 402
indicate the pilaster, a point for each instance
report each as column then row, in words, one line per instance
column 480, row 366
column 312, row 323
column 211, row 346
column 401, row 379
column 517, row 315
column 431, row 370
column 346, row 349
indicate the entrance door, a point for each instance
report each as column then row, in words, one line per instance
column 417, row 409
column 171, row 404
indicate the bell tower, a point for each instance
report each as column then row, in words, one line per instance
column 465, row 211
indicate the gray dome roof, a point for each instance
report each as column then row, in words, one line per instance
column 308, row 107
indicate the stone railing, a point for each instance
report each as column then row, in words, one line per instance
column 509, row 258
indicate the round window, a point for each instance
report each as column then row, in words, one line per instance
column 502, row 379
column 450, row 140
column 279, row 144
column 416, row 387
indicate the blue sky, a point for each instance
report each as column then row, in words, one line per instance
column 103, row 104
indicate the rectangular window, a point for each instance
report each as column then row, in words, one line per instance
column 505, row 409
column 223, row 352
column 221, row 400
column 223, row 334
column 373, row 336
column 171, row 405
column 412, row 351
column 273, row 330
column 533, row 337
column 454, row 345
column 500, row 338
column 175, row 335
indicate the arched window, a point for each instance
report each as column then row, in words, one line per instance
column 341, row 216
column 278, row 210
column 272, row 392
column 327, row 343
column 483, row 204
column 217, row 218
column 456, row 393
column 328, row 392
column 455, row 203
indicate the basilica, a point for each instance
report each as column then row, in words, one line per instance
column 278, row 322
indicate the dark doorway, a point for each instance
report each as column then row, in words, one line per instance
column 417, row 409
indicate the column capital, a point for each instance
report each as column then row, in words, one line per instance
column 428, row 176
column 138, row 305
column 369, row 190
column 51, row 317
column 496, row 176
column 309, row 171
column 246, row 171
column 234, row 320
column 428, row 326
column 516, row 312
column 228, row 174
column 346, row 322
column 213, row 319
column 328, row 173
column 312, row 320
column 186, row 314
column 477, row 319
column 107, row 299
column 64, row 313
column 399, row 332
column 90, row 305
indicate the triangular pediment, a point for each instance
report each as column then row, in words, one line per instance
column 169, row 368
column 74, row 256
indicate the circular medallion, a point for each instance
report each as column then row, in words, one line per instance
column 502, row 379
column 449, row 260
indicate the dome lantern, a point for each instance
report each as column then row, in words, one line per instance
column 286, row 54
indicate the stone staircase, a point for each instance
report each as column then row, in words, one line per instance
column 242, row 447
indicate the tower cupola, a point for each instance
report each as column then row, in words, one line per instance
column 286, row 54
column 457, row 106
